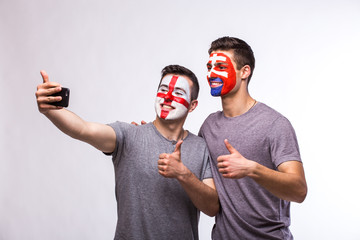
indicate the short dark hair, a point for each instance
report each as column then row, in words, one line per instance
column 243, row 54
column 183, row 71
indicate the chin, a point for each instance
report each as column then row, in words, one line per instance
column 216, row 92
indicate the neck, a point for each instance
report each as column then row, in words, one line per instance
column 171, row 129
column 237, row 103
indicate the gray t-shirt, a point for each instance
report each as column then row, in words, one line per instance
column 248, row 211
column 151, row 206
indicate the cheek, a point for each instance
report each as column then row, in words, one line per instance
column 229, row 83
column 215, row 74
column 232, row 77
column 159, row 100
column 179, row 112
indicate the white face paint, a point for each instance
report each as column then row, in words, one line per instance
column 173, row 97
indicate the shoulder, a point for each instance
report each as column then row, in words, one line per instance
column 262, row 108
column 278, row 124
column 124, row 128
column 195, row 141
column 213, row 117
column 270, row 116
column 195, row 146
column 194, row 138
column 120, row 126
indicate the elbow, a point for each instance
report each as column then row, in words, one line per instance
column 301, row 194
column 213, row 213
column 213, row 210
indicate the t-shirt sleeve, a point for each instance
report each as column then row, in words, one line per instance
column 200, row 133
column 120, row 131
column 283, row 142
column 206, row 166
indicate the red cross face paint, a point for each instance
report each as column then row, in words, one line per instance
column 173, row 97
column 221, row 74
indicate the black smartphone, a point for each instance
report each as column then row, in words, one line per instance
column 65, row 94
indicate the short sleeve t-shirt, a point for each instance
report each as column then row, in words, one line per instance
column 248, row 211
column 149, row 205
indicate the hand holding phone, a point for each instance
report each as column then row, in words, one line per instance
column 47, row 94
column 65, row 94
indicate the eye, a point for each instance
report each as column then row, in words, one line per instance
column 222, row 67
column 208, row 67
column 163, row 89
column 179, row 93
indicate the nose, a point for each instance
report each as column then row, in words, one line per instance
column 210, row 73
column 169, row 97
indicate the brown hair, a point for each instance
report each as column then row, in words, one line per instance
column 183, row 71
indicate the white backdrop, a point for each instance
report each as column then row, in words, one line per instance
column 110, row 54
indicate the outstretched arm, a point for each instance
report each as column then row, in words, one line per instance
column 98, row 135
column 202, row 193
column 287, row 183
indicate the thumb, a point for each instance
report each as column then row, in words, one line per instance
column 178, row 147
column 229, row 147
column 44, row 75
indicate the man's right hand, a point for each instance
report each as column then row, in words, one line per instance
column 44, row 91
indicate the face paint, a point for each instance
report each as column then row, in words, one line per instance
column 173, row 97
column 221, row 74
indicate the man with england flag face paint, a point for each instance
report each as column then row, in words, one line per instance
column 149, row 204
column 255, row 156
column 173, row 98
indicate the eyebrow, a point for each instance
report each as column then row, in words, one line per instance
column 221, row 63
column 163, row 85
column 217, row 63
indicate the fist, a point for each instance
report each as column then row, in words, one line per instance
column 44, row 92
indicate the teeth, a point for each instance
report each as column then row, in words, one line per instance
column 215, row 84
column 167, row 107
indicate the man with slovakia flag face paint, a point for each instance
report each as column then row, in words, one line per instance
column 162, row 172
column 221, row 75
column 255, row 157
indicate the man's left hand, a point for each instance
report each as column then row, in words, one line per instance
column 170, row 165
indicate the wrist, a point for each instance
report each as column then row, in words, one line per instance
column 184, row 175
column 253, row 169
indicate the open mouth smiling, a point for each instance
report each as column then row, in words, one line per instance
column 215, row 82
column 167, row 107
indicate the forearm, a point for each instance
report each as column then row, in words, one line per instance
column 98, row 135
column 68, row 122
column 287, row 185
column 204, row 197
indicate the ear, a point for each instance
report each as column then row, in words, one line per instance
column 245, row 72
column 193, row 105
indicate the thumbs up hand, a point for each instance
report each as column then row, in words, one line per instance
column 170, row 165
column 234, row 165
column 44, row 91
